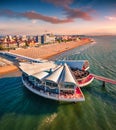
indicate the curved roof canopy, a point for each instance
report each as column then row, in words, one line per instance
column 60, row 74
column 34, row 68
column 67, row 76
column 40, row 75
column 74, row 63
column 55, row 75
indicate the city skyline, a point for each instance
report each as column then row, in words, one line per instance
column 56, row 16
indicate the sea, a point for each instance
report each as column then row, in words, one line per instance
column 22, row 110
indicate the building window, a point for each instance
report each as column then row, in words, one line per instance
column 55, row 85
column 69, row 86
column 51, row 84
column 48, row 83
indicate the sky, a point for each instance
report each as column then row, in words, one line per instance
column 35, row 17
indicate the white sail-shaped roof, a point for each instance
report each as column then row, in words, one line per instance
column 40, row 75
column 32, row 68
column 29, row 68
column 67, row 76
column 61, row 74
column 55, row 75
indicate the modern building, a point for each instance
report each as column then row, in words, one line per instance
column 47, row 38
column 58, row 81
column 38, row 39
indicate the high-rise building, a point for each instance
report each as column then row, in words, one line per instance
column 47, row 38
column 38, row 39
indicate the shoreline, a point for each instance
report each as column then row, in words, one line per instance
column 47, row 57
column 50, row 50
column 7, row 69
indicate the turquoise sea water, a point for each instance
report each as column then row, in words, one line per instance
column 23, row 110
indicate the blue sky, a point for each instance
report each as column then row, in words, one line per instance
column 58, row 16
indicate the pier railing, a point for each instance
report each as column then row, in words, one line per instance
column 104, row 79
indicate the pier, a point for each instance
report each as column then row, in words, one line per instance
column 104, row 79
column 16, row 57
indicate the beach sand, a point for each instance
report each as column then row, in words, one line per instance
column 49, row 50
column 8, row 69
column 44, row 52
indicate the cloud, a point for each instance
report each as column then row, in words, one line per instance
column 111, row 18
column 34, row 16
column 54, row 20
column 72, row 13
column 60, row 2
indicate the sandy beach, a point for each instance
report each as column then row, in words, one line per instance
column 8, row 69
column 44, row 52
column 6, row 66
column 49, row 50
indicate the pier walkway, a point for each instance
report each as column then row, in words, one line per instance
column 21, row 57
column 104, row 79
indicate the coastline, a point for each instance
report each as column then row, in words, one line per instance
column 7, row 69
column 50, row 50
column 44, row 52
column 81, row 43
